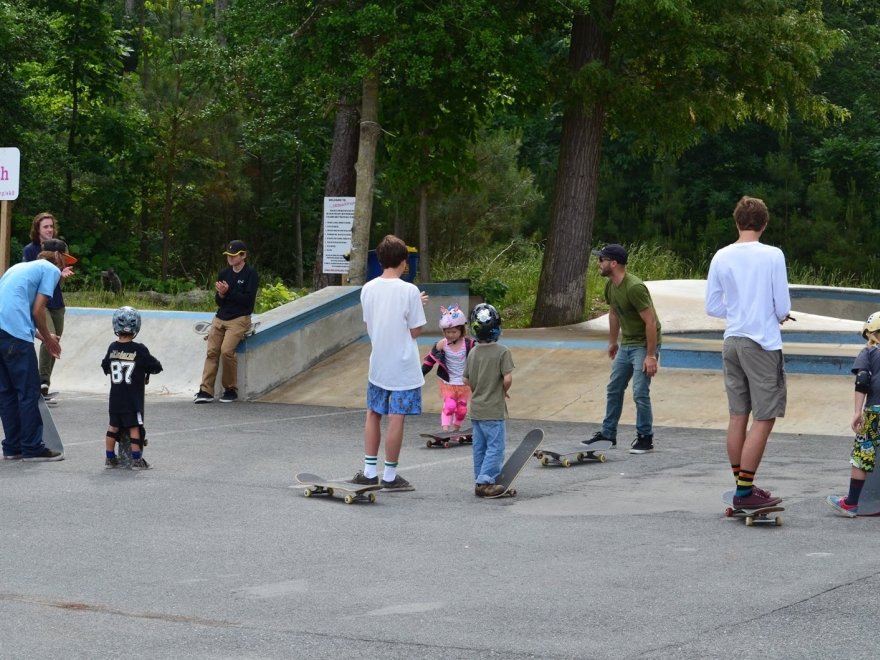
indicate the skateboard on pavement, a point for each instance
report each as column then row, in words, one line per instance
column 123, row 447
column 517, row 461
column 751, row 516
column 316, row 485
column 445, row 438
column 204, row 327
column 51, row 437
column 593, row 452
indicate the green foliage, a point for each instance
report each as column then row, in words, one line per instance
column 274, row 295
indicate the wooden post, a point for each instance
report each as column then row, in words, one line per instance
column 5, row 234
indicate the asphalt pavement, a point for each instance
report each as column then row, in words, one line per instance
column 215, row 553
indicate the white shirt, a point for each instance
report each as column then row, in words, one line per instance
column 392, row 308
column 748, row 286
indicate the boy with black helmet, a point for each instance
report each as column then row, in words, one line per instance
column 488, row 371
column 866, row 419
column 129, row 364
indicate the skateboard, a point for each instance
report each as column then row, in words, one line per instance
column 445, row 438
column 51, row 438
column 517, row 461
column 869, row 500
column 751, row 516
column 50, row 399
column 353, row 492
column 123, row 447
column 204, row 327
column 589, row 453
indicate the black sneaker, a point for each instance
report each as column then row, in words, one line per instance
column 642, row 444
column 399, row 484
column 44, row 390
column 44, row 456
column 140, row 464
column 598, row 437
column 229, row 396
column 361, row 480
column 203, row 397
column 12, row 457
column 110, row 463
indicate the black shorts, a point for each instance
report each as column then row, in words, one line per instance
column 126, row 420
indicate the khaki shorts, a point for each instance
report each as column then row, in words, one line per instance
column 754, row 379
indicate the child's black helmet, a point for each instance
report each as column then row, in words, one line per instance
column 485, row 322
column 126, row 321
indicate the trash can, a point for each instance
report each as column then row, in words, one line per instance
column 412, row 263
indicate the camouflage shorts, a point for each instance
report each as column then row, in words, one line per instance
column 865, row 444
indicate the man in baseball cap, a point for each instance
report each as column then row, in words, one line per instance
column 235, row 248
column 57, row 245
column 613, row 252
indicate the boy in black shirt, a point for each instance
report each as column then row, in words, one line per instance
column 129, row 365
column 236, row 294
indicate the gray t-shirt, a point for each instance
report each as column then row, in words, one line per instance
column 485, row 369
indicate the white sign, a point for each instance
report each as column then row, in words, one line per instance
column 10, row 162
column 338, row 219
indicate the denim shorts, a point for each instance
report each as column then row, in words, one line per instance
column 394, row 402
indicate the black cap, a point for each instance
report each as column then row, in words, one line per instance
column 614, row 252
column 235, row 247
column 57, row 245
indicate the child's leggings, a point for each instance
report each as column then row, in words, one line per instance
column 455, row 403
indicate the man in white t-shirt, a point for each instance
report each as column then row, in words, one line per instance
column 748, row 286
column 394, row 314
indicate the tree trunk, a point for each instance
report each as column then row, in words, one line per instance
column 341, row 181
column 366, row 166
column 297, row 219
column 424, row 248
column 562, row 286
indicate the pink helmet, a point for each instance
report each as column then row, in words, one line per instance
column 452, row 317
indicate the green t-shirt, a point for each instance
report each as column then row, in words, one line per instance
column 627, row 299
column 486, row 366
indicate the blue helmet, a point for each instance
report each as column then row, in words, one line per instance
column 485, row 323
column 126, row 321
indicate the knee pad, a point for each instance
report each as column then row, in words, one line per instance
column 114, row 435
column 461, row 409
column 449, row 406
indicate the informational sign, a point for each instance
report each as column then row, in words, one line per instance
column 10, row 162
column 338, row 219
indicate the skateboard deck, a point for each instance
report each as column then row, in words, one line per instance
column 51, row 438
column 869, row 500
column 316, row 485
column 203, row 327
column 751, row 516
column 517, row 461
column 593, row 452
column 123, row 447
column 446, row 438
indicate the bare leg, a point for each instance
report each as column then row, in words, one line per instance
column 373, row 433
column 393, row 438
column 736, row 437
column 756, row 441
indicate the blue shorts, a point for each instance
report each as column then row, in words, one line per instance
column 394, row 402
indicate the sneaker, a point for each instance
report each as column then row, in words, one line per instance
column 229, row 396
column 110, row 463
column 841, row 507
column 203, row 397
column 399, row 484
column 360, row 479
column 140, row 464
column 46, row 455
column 755, row 500
column 12, row 457
column 488, row 490
column 642, row 444
column 598, row 437
column 44, row 390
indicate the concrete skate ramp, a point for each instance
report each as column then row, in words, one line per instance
column 313, row 351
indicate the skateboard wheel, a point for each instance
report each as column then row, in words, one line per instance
column 307, row 492
column 728, row 512
column 538, row 454
column 372, row 498
column 512, row 492
column 348, row 499
column 565, row 462
column 601, row 458
column 330, row 491
column 429, row 444
column 545, row 460
column 750, row 520
column 446, row 444
column 778, row 521
column 580, row 457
